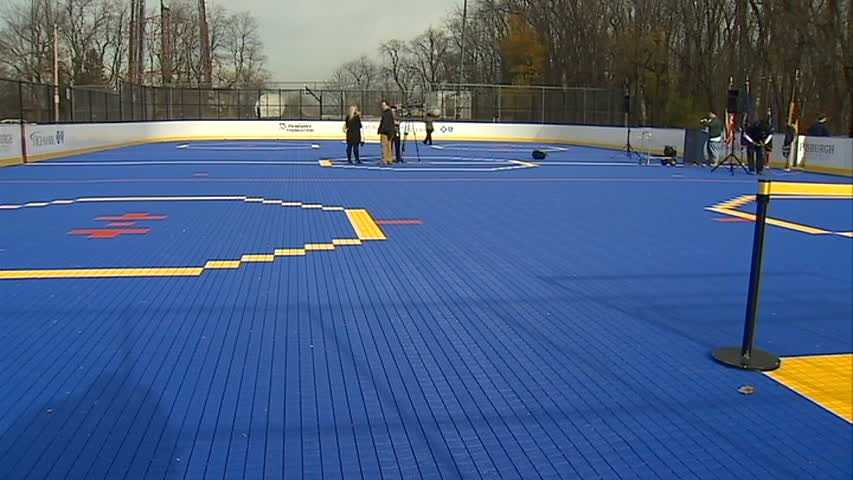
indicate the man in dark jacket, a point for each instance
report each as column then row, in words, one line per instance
column 788, row 149
column 429, row 125
column 386, row 134
column 757, row 136
column 715, row 138
column 395, row 110
column 819, row 129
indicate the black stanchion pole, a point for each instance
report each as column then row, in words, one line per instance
column 748, row 356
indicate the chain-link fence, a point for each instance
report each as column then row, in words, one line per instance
column 491, row 103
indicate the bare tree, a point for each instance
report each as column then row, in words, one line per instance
column 25, row 40
column 430, row 55
column 358, row 74
column 397, row 65
column 243, row 51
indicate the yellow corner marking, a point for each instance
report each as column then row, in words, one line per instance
column 364, row 225
column 222, row 265
column 844, row 190
column 737, row 202
column 361, row 221
column 824, row 379
column 772, row 221
column 100, row 273
column 789, row 191
column 257, row 258
column 290, row 252
column 318, row 247
column 346, row 241
column 325, row 163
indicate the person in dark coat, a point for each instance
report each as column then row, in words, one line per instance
column 787, row 146
column 386, row 134
column 430, row 127
column 397, row 140
column 757, row 136
column 820, row 128
column 352, row 126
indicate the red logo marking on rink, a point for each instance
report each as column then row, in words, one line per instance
column 406, row 221
column 118, row 226
column 132, row 217
column 109, row 232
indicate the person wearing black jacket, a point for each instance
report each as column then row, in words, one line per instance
column 819, row 129
column 352, row 126
column 756, row 137
column 430, row 127
column 788, row 146
column 397, row 140
column 386, row 134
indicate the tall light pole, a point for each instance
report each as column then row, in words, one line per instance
column 461, row 58
column 56, row 73
column 204, row 34
column 165, row 44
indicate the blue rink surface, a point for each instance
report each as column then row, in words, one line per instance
column 547, row 320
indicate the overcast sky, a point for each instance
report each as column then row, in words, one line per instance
column 308, row 39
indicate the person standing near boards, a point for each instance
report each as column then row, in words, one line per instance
column 386, row 134
column 397, row 140
column 757, row 137
column 430, row 127
column 820, row 128
column 352, row 127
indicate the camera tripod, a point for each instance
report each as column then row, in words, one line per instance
column 628, row 150
column 731, row 160
column 407, row 126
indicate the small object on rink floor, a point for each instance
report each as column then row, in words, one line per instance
column 746, row 389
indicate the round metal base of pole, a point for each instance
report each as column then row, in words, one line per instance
column 759, row 360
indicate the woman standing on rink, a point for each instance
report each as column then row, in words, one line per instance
column 352, row 127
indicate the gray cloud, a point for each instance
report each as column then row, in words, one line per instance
column 308, row 39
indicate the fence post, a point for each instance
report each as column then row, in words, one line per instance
column 91, row 112
column 747, row 356
column 543, row 104
column 500, row 104
column 20, row 101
